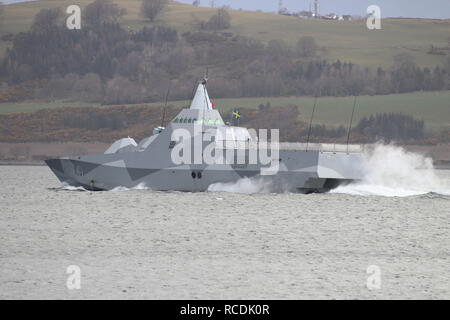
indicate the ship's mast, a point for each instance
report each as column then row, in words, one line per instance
column 165, row 105
column 204, row 82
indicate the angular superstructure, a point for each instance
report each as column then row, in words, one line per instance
column 197, row 149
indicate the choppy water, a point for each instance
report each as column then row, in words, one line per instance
column 217, row 245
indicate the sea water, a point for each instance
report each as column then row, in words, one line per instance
column 233, row 242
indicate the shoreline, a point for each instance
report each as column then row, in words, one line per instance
column 34, row 154
column 13, row 163
column 23, row 163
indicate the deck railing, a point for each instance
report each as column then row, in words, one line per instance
column 320, row 147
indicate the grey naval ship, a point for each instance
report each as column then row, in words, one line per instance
column 295, row 167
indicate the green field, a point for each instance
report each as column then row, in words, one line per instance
column 7, row 108
column 348, row 41
column 432, row 107
column 330, row 111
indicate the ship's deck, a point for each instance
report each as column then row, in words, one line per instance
column 290, row 146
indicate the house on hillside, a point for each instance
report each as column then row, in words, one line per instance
column 305, row 14
column 331, row 16
column 347, row 17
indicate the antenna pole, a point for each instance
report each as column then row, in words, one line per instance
column 351, row 123
column 193, row 91
column 165, row 105
column 204, row 82
column 310, row 123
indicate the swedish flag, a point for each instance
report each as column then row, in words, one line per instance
column 236, row 114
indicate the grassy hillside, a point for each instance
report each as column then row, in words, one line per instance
column 348, row 41
column 433, row 107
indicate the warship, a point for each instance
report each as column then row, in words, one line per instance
column 154, row 162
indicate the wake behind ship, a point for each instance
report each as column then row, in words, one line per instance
column 299, row 167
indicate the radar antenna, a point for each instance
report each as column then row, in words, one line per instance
column 205, row 79
column 311, row 121
column 165, row 105
column 351, row 124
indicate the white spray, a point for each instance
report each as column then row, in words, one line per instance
column 140, row 186
column 391, row 171
column 66, row 187
column 244, row 185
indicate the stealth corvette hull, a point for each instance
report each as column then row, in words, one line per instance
column 299, row 171
column 152, row 163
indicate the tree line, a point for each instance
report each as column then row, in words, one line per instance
column 107, row 63
column 95, row 124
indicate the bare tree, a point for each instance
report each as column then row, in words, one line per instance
column 103, row 11
column 196, row 3
column 152, row 8
column 1, row 16
column 46, row 20
column 24, row 73
column 278, row 48
column 221, row 20
column 120, row 90
column 307, row 47
column 404, row 60
column 89, row 88
column 447, row 68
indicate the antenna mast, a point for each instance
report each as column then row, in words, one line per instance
column 165, row 105
column 204, row 82
column 351, row 123
column 310, row 123
column 205, row 79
